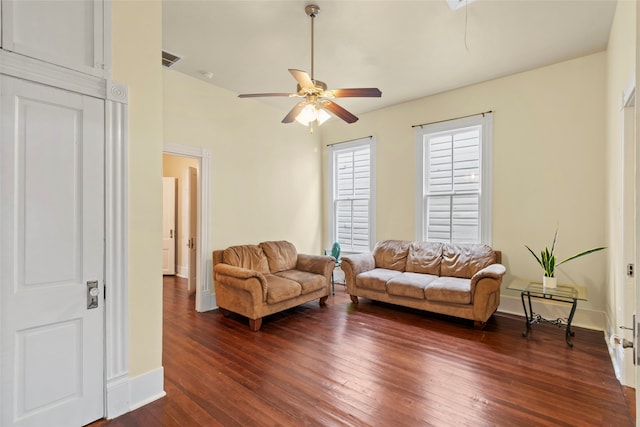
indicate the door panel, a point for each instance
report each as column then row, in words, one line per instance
column 66, row 33
column 51, row 245
column 168, row 225
column 193, row 228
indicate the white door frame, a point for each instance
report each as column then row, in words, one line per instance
column 205, row 300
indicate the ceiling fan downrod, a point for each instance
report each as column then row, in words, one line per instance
column 312, row 11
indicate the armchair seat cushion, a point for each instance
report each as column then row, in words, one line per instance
column 281, row 289
column 308, row 282
column 376, row 279
column 410, row 285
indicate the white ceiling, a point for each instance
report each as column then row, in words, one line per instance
column 408, row 49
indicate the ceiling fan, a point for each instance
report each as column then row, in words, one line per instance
column 317, row 98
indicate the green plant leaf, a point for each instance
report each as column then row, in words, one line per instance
column 535, row 256
column 583, row 253
column 555, row 237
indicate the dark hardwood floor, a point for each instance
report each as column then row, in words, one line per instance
column 375, row 365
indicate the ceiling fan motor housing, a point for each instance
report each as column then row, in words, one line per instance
column 312, row 10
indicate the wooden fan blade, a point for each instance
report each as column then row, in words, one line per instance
column 256, row 95
column 364, row 92
column 302, row 78
column 294, row 112
column 339, row 111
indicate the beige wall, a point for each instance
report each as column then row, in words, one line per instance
column 265, row 176
column 178, row 167
column 137, row 42
column 548, row 168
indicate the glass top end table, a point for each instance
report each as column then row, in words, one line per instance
column 565, row 293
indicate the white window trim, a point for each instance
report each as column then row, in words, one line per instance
column 486, row 192
column 371, row 142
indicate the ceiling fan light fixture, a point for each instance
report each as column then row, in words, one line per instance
column 312, row 113
column 308, row 114
column 323, row 116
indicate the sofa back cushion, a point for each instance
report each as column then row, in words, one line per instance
column 424, row 257
column 391, row 254
column 465, row 260
column 281, row 255
column 246, row 256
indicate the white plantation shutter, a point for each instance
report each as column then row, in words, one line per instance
column 454, row 201
column 352, row 177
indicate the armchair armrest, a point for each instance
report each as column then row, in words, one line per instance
column 240, row 278
column 318, row 264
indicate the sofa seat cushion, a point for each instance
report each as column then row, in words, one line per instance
column 251, row 257
column 410, row 285
column 376, row 279
column 309, row 282
column 453, row 290
column 281, row 289
column 281, row 255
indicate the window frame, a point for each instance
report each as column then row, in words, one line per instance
column 333, row 152
column 485, row 121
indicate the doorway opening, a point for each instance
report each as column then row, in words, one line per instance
column 179, row 217
column 189, row 166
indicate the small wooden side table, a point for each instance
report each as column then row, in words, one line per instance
column 569, row 294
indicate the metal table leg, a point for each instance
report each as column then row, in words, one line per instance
column 568, row 333
column 526, row 313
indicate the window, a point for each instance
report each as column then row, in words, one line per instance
column 454, row 180
column 351, row 175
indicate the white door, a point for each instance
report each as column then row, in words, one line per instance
column 193, row 228
column 51, row 252
column 625, row 292
column 168, row 225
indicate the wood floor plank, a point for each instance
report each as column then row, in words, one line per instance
column 375, row 364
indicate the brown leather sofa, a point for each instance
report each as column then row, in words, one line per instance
column 258, row 280
column 456, row 280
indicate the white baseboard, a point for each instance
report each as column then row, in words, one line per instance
column 117, row 397
column 183, row 271
column 146, row 388
column 207, row 303
column 583, row 318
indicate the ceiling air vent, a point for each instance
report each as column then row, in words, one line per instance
column 169, row 59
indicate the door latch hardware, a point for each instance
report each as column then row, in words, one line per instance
column 92, row 294
column 630, row 271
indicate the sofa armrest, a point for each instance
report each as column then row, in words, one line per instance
column 493, row 271
column 318, row 264
column 240, row 278
column 352, row 265
column 359, row 263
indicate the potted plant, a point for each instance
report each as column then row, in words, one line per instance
column 547, row 261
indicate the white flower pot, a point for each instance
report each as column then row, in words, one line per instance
column 549, row 282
